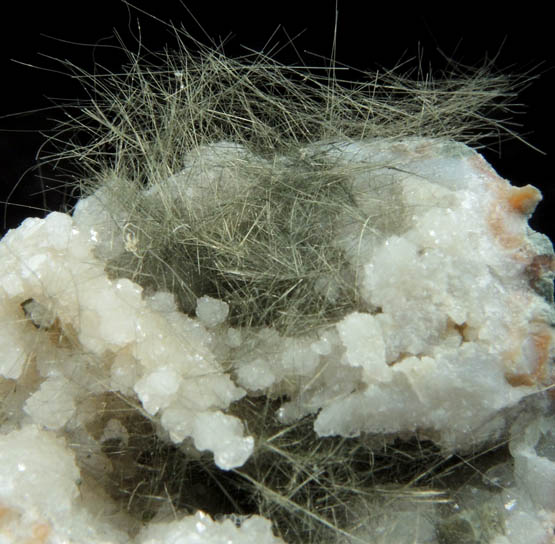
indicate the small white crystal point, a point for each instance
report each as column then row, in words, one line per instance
column 211, row 311
column 224, row 435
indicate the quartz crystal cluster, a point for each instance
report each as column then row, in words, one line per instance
column 453, row 331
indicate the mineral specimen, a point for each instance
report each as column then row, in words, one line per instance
column 451, row 331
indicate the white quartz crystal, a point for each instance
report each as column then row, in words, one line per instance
column 53, row 404
column 38, row 472
column 211, row 311
column 202, row 529
column 50, row 262
column 452, row 332
column 222, row 434
column 533, row 449
column 40, row 503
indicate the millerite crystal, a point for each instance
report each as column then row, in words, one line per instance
column 283, row 310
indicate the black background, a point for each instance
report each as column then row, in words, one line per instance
column 369, row 36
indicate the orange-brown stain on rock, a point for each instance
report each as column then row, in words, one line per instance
column 507, row 239
column 41, row 531
column 542, row 342
column 509, row 199
column 5, row 514
column 523, row 199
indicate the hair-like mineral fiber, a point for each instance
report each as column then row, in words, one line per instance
column 264, row 249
